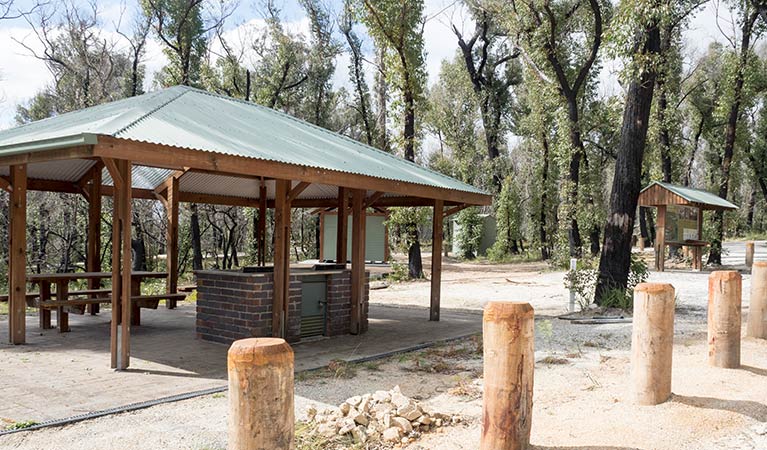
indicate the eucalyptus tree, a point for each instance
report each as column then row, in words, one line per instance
column 747, row 12
column 397, row 29
column 561, row 40
column 323, row 49
column 362, row 103
column 452, row 117
column 493, row 69
column 538, row 128
column 86, row 66
column 636, row 35
column 183, row 26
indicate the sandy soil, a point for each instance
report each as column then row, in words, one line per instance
column 582, row 402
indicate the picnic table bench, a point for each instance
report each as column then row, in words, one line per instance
column 64, row 303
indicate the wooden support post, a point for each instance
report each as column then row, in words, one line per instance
column 757, row 307
column 281, row 259
column 93, row 258
column 262, row 224
column 660, row 240
column 508, row 331
column 261, row 415
column 749, row 254
column 171, row 244
column 120, row 171
column 724, row 302
column 652, row 342
column 358, row 260
column 641, row 244
column 17, row 255
column 436, row 260
column 342, row 230
column 697, row 255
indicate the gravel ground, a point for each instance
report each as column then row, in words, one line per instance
column 581, row 379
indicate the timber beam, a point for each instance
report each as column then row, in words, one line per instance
column 164, row 155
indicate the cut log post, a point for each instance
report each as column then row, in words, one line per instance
column 509, row 361
column 724, row 301
column 757, row 307
column 749, row 254
column 652, row 342
column 641, row 244
column 261, row 413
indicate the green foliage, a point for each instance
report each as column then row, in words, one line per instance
column 469, row 235
column 583, row 282
column 508, row 221
column 399, row 272
column 21, row 425
column 180, row 26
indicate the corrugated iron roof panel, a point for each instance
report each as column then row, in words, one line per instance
column 142, row 177
column 64, row 170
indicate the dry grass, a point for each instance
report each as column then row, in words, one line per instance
column 554, row 360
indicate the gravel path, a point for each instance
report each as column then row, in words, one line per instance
column 580, row 402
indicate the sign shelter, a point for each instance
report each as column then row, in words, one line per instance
column 680, row 218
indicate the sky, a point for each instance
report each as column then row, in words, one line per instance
column 22, row 75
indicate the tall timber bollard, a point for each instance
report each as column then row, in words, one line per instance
column 749, row 254
column 261, row 413
column 756, row 326
column 508, row 330
column 652, row 342
column 724, row 300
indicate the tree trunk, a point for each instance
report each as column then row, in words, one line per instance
column 594, row 238
column 415, row 265
column 615, row 261
column 751, row 209
column 381, row 93
column 715, row 254
column 573, row 233
column 545, row 252
column 196, row 238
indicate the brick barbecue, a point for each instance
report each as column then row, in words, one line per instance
column 235, row 305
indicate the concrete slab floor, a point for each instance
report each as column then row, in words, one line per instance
column 57, row 375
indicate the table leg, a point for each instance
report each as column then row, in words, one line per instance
column 135, row 289
column 62, row 294
column 45, row 313
column 94, row 283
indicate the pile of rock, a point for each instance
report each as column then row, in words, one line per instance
column 387, row 416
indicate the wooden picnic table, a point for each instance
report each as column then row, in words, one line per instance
column 46, row 280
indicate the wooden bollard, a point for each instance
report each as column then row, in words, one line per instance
column 756, row 326
column 724, row 301
column 642, row 244
column 261, row 413
column 508, row 331
column 749, row 254
column 652, row 342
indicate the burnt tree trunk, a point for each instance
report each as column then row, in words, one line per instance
column 194, row 225
column 415, row 264
column 615, row 262
column 573, row 233
column 715, row 254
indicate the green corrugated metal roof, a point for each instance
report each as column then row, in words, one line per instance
column 189, row 118
column 695, row 195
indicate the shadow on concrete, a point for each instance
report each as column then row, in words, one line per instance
column 755, row 370
column 752, row 409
